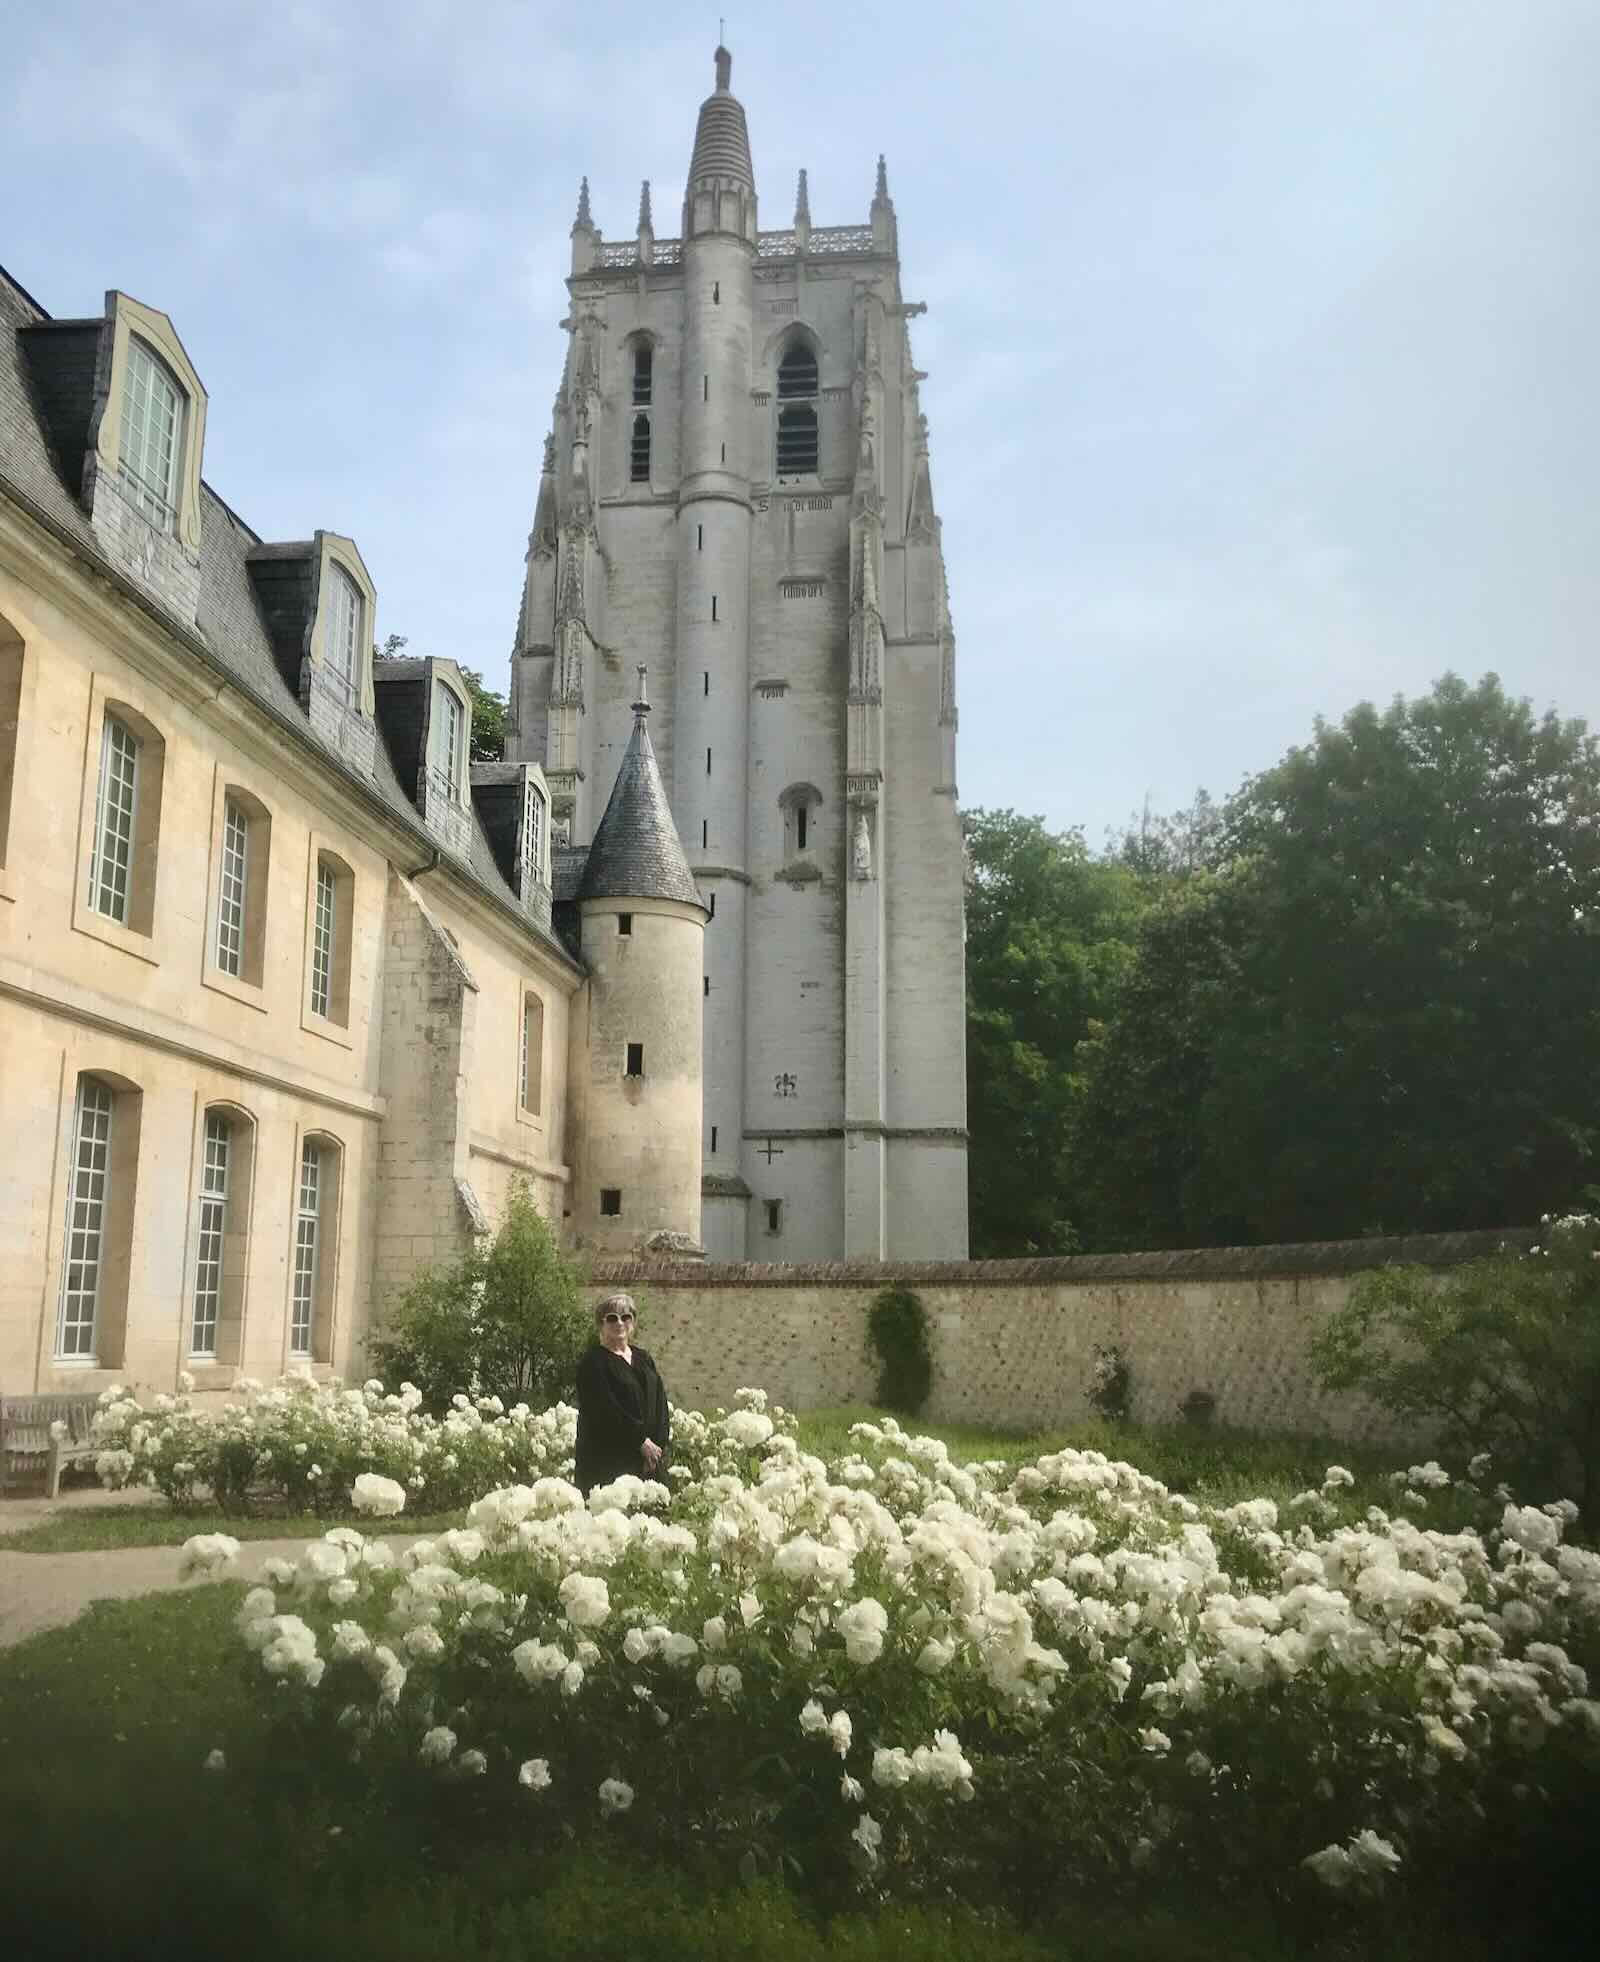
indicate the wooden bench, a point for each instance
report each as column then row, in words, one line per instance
column 25, row 1435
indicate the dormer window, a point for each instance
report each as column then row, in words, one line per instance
column 533, row 834
column 150, row 454
column 342, row 641
column 446, row 762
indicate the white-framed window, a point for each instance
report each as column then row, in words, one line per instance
column 530, row 1070
column 445, row 732
column 533, row 836
column 211, row 1224
column 233, row 886
column 342, row 634
column 88, row 1199
column 324, row 929
column 151, row 452
column 115, row 812
column 307, row 1249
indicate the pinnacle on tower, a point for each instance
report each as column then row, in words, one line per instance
column 802, row 203
column 584, row 222
column 881, row 193
column 642, row 706
column 724, row 64
column 884, row 233
column 646, row 224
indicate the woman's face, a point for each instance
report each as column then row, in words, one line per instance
column 616, row 1326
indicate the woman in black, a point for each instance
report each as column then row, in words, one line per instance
column 622, row 1404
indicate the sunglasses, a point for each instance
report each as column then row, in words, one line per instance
column 616, row 1318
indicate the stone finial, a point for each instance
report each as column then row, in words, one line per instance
column 646, row 223
column 724, row 62
column 641, row 707
column 584, row 220
column 802, row 203
column 881, row 193
column 549, row 467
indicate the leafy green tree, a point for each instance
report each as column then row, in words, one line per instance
column 1381, row 1015
column 1049, row 937
column 1503, row 1355
column 489, row 710
column 504, row 1320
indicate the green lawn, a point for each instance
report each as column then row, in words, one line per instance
column 90, row 1529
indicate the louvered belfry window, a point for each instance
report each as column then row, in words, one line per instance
column 797, row 419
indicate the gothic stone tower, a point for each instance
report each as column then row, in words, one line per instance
column 736, row 492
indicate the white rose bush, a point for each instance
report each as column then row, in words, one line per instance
column 306, row 1447
column 893, row 1672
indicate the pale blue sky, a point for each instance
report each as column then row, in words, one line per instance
column 1261, row 333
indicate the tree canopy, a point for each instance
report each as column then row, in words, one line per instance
column 1364, row 1001
column 489, row 710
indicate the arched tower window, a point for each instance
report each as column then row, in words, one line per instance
column 799, row 805
column 639, row 451
column 797, row 415
column 644, row 361
column 643, row 374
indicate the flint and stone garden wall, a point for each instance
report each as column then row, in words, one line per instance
column 1014, row 1340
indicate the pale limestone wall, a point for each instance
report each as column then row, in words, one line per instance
column 420, row 1075
column 1014, row 1341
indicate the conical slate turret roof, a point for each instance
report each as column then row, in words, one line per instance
column 721, row 140
column 636, row 852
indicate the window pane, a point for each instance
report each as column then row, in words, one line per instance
column 306, row 1232
column 213, row 1204
column 445, row 762
column 322, row 930
column 232, row 886
column 115, row 805
column 152, row 433
column 86, row 1208
column 342, row 635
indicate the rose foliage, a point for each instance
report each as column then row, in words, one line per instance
column 896, row 1673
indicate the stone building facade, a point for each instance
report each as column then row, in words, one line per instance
column 736, row 491
column 285, row 1007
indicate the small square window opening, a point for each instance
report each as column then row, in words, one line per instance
column 611, row 1201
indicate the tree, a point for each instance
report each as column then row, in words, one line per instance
column 1503, row 1354
column 489, row 710
column 1387, row 1016
column 1049, row 935
column 504, row 1320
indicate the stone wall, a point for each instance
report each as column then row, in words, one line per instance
column 1014, row 1340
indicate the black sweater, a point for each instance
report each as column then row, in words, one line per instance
column 620, row 1404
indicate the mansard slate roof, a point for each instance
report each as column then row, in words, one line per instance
column 721, row 138
column 636, row 852
column 38, row 473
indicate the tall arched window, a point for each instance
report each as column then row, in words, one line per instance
column 643, row 374
column 222, row 1214
column 102, row 1173
column 797, row 415
column 316, row 1248
column 799, row 805
column 639, row 451
column 643, row 395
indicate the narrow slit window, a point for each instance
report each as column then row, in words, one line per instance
column 307, row 1248
column 705, row 388
column 87, row 1204
column 211, row 1224
column 716, row 292
column 774, row 1215
column 703, row 838
column 233, row 887
column 708, row 762
column 643, row 375
column 699, row 538
column 705, row 682
column 724, row 452
column 713, row 898
column 611, row 1201
column 639, row 451
column 713, row 608
column 802, row 818
column 705, row 986
column 635, row 1059
column 115, row 808
column 713, row 1140
column 624, row 923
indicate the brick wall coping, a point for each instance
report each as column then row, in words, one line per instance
column 1191, row 1264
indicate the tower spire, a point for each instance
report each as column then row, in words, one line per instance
column 585, row 236
column 646, row 223
column 881, row 191
column 724, row 64
column 584, row 221
column 885, row 236
column 720, row 191
column 802, row 202
column 641, row 708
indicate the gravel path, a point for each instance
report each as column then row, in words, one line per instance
column 47, row 1590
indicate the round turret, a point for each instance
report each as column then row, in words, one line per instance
column 637, row 1049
